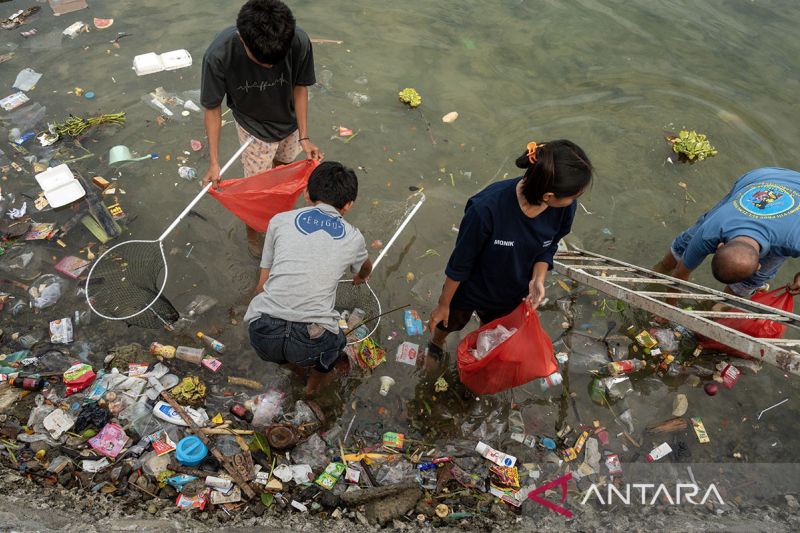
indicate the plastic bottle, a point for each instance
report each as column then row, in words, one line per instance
column 551, row 381
column 211, row 342
column 166, row 413
column 495, row 456
column 622, row 367
column 27, row 383
column 356, row 316
column 200, row 305
column 189, row 354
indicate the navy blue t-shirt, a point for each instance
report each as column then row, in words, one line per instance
column 498, row 245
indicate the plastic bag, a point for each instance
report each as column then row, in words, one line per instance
column 760, row 328
column 488, row 339
column 45, row 291
column 258, row 198
column 266, row 407
column 521, row 358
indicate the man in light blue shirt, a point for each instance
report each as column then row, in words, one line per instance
column 750, row 232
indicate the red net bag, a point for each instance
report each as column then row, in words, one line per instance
column 258, row 198
column 761, row 328
column 521, row 358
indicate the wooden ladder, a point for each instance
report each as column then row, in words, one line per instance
column 635, row 285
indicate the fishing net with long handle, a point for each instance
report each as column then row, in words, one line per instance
column 127, row 282
column 349, row 296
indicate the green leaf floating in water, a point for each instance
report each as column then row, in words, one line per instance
column 266, row 499
column 692, row 145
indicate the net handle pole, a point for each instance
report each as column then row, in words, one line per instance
column 398, row 232
column 205, row 189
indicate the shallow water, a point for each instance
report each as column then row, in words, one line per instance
column 611, row 76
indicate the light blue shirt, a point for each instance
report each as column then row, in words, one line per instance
column 764, row 205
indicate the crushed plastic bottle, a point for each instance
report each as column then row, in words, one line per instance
column 200, row 305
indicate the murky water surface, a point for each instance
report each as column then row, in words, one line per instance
column 612, row 76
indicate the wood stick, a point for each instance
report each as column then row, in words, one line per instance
column 224, row 461
column 226, row 431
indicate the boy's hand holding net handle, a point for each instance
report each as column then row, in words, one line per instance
column 224, row 461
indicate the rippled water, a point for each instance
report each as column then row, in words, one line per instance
column 612, row 76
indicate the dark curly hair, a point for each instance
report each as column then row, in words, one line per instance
column 267, row 29
column 333, row 183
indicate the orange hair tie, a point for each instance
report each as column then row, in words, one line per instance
column 532, row 151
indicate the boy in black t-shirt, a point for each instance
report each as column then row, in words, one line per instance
column 263, row 66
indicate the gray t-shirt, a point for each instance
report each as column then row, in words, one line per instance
column 308, row 251
column 261, row 98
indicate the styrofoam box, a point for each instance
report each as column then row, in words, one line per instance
column 60, row 186
column 151, row 63
column 176, row 59
column 147, row 64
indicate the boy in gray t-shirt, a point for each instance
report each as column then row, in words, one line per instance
column 292, row 320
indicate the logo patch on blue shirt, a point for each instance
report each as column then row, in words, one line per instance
column 315, row 220
column 767, row 200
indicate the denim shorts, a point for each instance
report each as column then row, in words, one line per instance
column 767, row 269
column 280, row 341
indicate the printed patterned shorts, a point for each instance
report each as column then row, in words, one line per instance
column 261, row 155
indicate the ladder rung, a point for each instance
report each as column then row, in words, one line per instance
column 578, row 256
column 684, row 295
column 603, row 267
column 737, row 314
column 657, row 281
column 782, row 342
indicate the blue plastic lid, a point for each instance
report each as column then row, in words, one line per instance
column 190, row 451
column 548, row 443
column 88, row 95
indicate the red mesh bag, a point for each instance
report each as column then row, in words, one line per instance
column 260, row 197
column 761, row 328
column 521, row 358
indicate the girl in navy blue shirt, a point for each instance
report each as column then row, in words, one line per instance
column 507, row 239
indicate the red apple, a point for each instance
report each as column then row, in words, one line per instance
column 711, row 389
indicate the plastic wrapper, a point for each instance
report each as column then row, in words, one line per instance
column 78, row 377
column 312, row 452
column 110, row 441
column 61, row 331
column 396, row 472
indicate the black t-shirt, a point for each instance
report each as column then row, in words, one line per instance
column 261, row 98
column 498, row 245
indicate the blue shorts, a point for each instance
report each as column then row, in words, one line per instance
column 768, row 265
column 280, row 341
